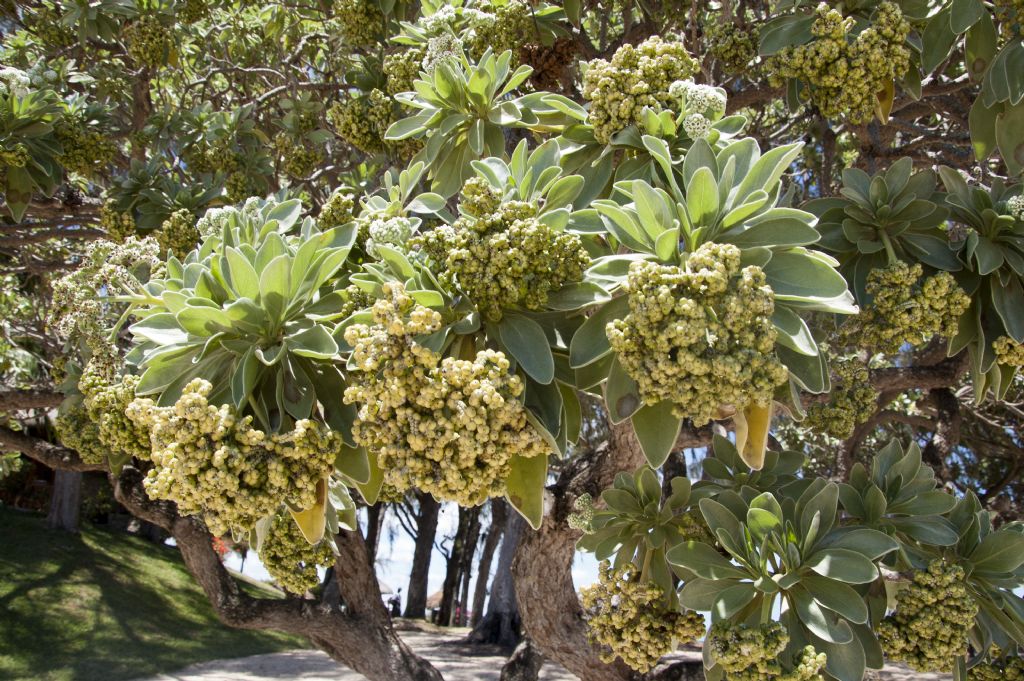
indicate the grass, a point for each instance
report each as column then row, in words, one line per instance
column 105, row 606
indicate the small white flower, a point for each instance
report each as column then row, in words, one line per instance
column 696, row 126
column 441, row 48
column 1016, row 207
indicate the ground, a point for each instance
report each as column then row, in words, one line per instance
column 105, row 606
column 456, row 661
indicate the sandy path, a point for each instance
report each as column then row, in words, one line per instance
column 456, row 662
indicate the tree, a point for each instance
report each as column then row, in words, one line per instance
column 483, row 569
column 423, row 535
column 273, row 262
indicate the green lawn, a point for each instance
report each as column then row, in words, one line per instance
column 104, row 606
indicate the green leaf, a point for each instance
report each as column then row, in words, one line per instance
column 576, row 295
column 656, row 429
column 793, row 331
column 938, row 39
column 964, row 14
column 161, row 328
column 820, row 622
column 846, row 661
column 370, row 489
column 274, row 286
column 797, row 274
column 702, row 198
column 733, row 599
column 314, row 342
column 703, row 560
column 621, row 393
column 590, row 342
column 525, row 339
column 844, row 565
column 699, row 594
column 999, row 552
column 870, row 543
column 1010, row 137
column 837, row 597
column 243, row 278
column 524, row 487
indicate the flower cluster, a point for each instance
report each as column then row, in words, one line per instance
column 501, row 256
column 906, row 309
column 359, row 22
column 178, row 233
column 337, row 210
column 1015, row 205
column 191, row 11
column 700, row 336
column 14, row 81
column 118, row 225
column 1010, row 15
column 507, row 27
column 394, row 232
column 748, row 653
column 851, row 401
column 83, row 151
column 637, row 76
column 77, row 431
column 301, row 158
column 552, row 64
column 734, row 46
column 107, row 397
column 631, row 617
column 81, row 307
column 933, row 616
column 1009, row 668
column 212, row 462
column 14, row 156
column 446, row 426
column 362, row 120
column 289, row 558
column 444, row 47
column 583, row 514
column 149, row 41
column 846, row 74
column 1008, row 351
column 402, row 69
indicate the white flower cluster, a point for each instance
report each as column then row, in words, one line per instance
column 703, row 99
column 393, row 232
column 214, row 220
column 440, row 21
column 14, row 81
column 696, row 126
column 1016, row 206
column 441, row 48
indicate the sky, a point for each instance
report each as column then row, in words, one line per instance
column 394, row 557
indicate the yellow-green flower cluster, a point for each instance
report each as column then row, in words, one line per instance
column 907, row 309
column 632, row 619
column 83, row 151
column 504, row 259
column 851, row 401
column 700, row 336
column 212, row 462
column 301, row 158
column 1009, row 668
column 747, row 653
column 289, row 558
column 77, row 431
column 733, row 45
column 178, row 233
column 337, row 210
column 148, row 40
column 107, row 397
column 359, row 22
column 119, row 226
column 847, row 73
column 1010, row 15
column 402, row 68
column 362, row 120
column 506, row 27
column 1009, row 352
column 446, row 426
column 191, row 11
column 934, row 613
column 393, row 232
column 634, row 78
column 15, row 156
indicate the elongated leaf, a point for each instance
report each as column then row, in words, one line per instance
column 525, row 487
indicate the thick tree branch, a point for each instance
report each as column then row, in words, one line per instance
column 13, row 400
column 46, row 453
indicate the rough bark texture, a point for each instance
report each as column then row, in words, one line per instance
column 374, row 524
column 66, row 501
column 947, row 432
column 501, row 625
column 426, row 528
column 483, row 570
column 524, row 664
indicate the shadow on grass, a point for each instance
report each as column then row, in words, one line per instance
column 103, row 606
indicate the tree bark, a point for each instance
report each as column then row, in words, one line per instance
column 426, row 529
column 66, row 501
column 469, row 524
column 483, row 570
column 502, row 623
column 374, row 523
column 524, row 664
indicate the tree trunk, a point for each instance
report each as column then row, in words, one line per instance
column 426, row 529
column 466, row 568
column 501, row 624
column 66, row 502
column 483, row 570
column 469, row 518
column 374, row 523
column 524, row 664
